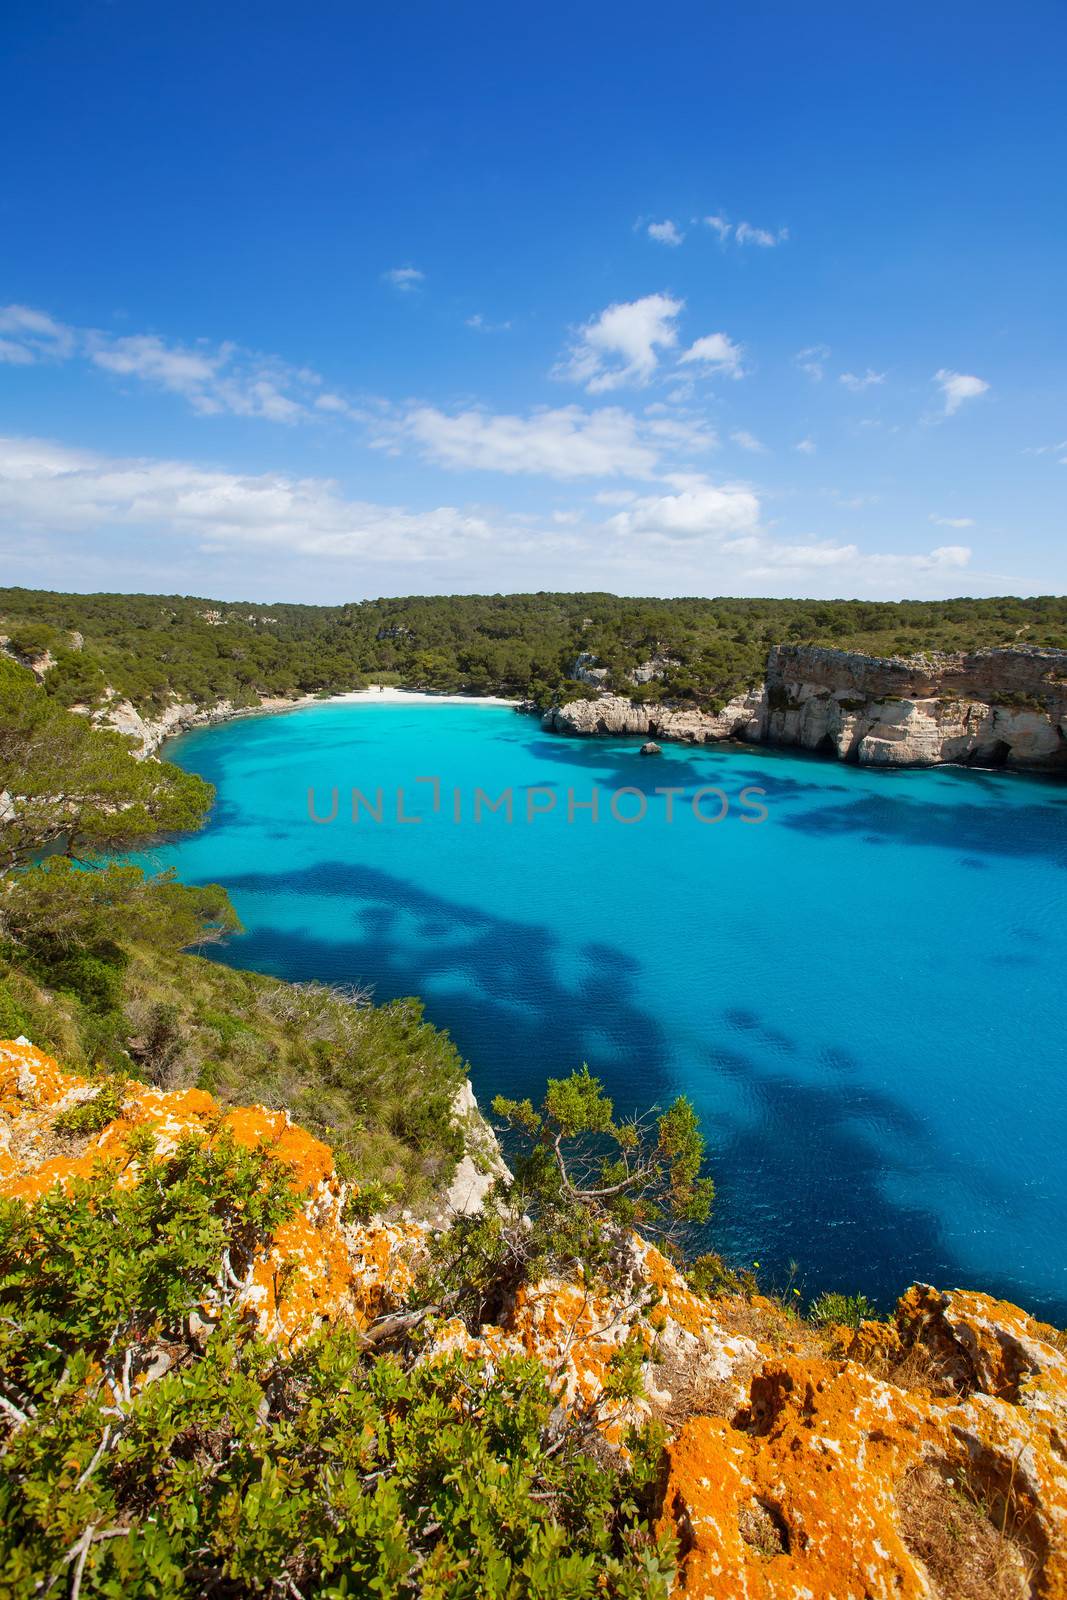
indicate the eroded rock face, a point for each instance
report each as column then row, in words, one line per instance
column 332, row 1270
column 850, row 1465
column 811, row 1490
column 989, row 708
column 151, row 732
column 614, row 714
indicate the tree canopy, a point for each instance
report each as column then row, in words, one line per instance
column 61, row 778
column 150, row 648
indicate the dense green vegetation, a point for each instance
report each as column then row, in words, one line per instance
column 78, row 784
column 96, row 962
column 243, row 1470
column 95, row 967
column 580, row 1183
column 144, row 1450
column 147, row 647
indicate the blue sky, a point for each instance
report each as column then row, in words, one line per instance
column 329, row 301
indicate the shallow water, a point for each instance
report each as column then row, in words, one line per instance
column 863, row 994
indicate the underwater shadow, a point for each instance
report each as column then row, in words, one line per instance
column 493, row 982
column 802, row 1181
column 1035, row 831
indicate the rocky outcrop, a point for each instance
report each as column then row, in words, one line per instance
column 992, row 708
column 835, row 1481
column 151, row 732
column 40, row 663
column 917, row 1459
column 989, row 707
column 587, row 669
column 480, row 1165
column 653, row 669
column 615, row 715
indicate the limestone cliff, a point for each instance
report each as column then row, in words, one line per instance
column 613, row 714
column 989, row 707
column 1005, row 708
column 178, row 717
column 920, row 1457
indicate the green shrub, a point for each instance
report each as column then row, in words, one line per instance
column 848, row 1309
column 89, row 1116
column 709, row 1275
column 14, row 1020
column 142, row 1458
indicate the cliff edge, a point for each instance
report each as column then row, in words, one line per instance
column 918, row 1457
column 988, row 708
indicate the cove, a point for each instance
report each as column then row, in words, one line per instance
column 862, row 992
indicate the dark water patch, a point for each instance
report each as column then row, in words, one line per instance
column 1029, row 830
column 511, row 1014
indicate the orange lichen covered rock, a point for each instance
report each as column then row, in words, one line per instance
column 804, row 1465
column 315, row 1269
column 576, row 1330
column 802, row 1495
column 825, row 1446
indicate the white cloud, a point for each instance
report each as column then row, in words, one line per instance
column 698, row 510
column 958, row 387
column 745, row 233
column 16, row 354
column 813, row 361
column 620, row 345
column 191, row 373
column 748, row 441
column 806, row 447
column 946, row 555
column 48, row 486
column 665, row 233
column 483, row 325
column 848, row 565
column 857, row 384
column 212, row 378
column 406, row 279
column 952, row 522
column 337, row 405
column 717, row 353
column 568, row 442
column 29, row 335
column 75, row 512
column 1049, row 450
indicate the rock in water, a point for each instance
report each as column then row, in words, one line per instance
column 651, row 749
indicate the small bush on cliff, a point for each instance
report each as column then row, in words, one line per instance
column 575, row 1160
column 847, row 1309
column 142, row 1454
column 709, row 1275
column 89, row 1116
column 582, row 1179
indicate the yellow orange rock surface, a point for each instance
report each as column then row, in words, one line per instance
column 790, row 1452
column 315, row 1269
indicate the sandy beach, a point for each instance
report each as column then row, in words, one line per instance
column 385, row 694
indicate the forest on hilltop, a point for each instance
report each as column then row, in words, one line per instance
column 149, row 647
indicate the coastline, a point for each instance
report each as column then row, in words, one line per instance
column 386, row 694
column 155, row 732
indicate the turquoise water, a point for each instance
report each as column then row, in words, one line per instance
column 863, row 994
